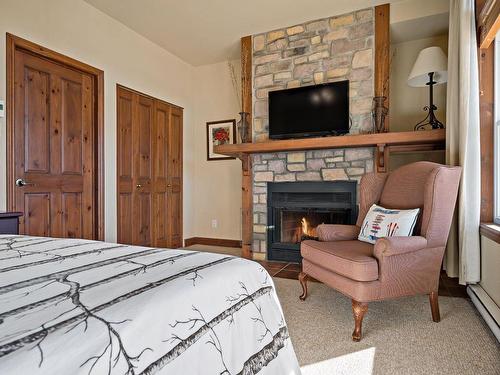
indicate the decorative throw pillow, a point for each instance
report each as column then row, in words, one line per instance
column 383, row 222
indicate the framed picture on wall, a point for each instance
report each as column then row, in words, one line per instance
column 220, row 133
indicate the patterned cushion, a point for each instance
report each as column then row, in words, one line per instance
column 382, row 222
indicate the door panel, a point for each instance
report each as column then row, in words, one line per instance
column 126, row 228
column 54, row 148
column 161, row 219
column 175, row 177
column 162, row 117
column 142, row 172
column 144, row 219
column 124, row 120
column 36, row 125
column 125, row 161
column 148, row 192
column 72, row 217
column 145, row 123
column 37, row 214
column 71, row 127
column 135, row 125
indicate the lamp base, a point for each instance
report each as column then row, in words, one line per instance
column 430, row 121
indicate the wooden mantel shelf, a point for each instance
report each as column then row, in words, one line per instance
column 421, row 137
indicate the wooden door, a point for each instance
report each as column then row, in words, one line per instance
column 53, row 148
column 149, row 170
column 142, row 131
column 161, row 174
column 175, row 177
column 134, row 163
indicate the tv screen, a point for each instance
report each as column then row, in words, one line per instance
column 309, row 111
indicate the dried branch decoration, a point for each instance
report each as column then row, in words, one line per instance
column 236, row 86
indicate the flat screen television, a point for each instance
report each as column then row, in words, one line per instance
column 309, row 111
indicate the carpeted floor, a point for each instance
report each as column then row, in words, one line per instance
column 399, row 336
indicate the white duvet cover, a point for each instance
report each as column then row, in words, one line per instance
column 72, row 306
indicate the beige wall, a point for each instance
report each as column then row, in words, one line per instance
column 216, row 184
column 76, row 29
column 490, row 266
column 402, row 11
column 407, row 102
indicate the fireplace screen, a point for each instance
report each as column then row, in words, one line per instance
column 296, row 209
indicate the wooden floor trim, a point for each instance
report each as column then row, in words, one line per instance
column 212, row 242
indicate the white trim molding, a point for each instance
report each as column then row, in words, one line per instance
column 488, row 309
column 496, row 143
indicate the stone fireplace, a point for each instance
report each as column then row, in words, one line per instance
column 295, row 168
column 330, row 49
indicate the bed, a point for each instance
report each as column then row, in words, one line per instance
column 72, row 306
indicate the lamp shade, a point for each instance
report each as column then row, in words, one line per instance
column 429, row 60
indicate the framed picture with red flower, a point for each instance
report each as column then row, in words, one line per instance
column 220, row 133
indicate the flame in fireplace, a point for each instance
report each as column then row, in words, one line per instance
column 306, row 230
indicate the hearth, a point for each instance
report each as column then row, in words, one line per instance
column 295, row 209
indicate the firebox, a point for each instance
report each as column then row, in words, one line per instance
column 295, row 209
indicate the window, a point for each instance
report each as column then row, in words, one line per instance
column 496, row 143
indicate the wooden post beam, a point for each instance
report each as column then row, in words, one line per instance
column 246, row 160
column 247, row 206
column 382, row 72
column 246, row 80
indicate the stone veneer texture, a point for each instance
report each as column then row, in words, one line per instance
column 326, row 50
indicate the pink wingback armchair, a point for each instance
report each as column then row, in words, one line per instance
column 394, row 266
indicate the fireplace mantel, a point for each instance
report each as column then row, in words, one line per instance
column 384, row 142
column 435, row 137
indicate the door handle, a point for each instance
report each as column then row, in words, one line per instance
column 138, row 186
column 169, row 185
column 21, row 182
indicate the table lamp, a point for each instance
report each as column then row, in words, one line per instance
column 430, row 68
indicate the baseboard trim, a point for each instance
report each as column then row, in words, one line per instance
column 486, row 307
column 212, row 242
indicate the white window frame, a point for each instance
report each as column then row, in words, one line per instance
column 496, row 125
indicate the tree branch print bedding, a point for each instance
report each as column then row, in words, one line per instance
column 72, row 306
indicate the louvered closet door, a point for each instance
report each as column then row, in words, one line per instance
column 149, row 171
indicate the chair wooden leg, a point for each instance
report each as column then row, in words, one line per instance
column 303, row 282
column 359, row 310
column 433, row 299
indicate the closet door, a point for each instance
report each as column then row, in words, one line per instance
column 125, row 162
column 134, row 167
column 149, row 168
column 174, row 186
column 161, row 168
column 142, row 131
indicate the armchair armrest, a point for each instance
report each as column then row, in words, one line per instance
column 337, row 232
column 388, row 246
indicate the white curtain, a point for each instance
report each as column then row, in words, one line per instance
column 463, row 147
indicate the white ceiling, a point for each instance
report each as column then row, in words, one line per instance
column 208, row 31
